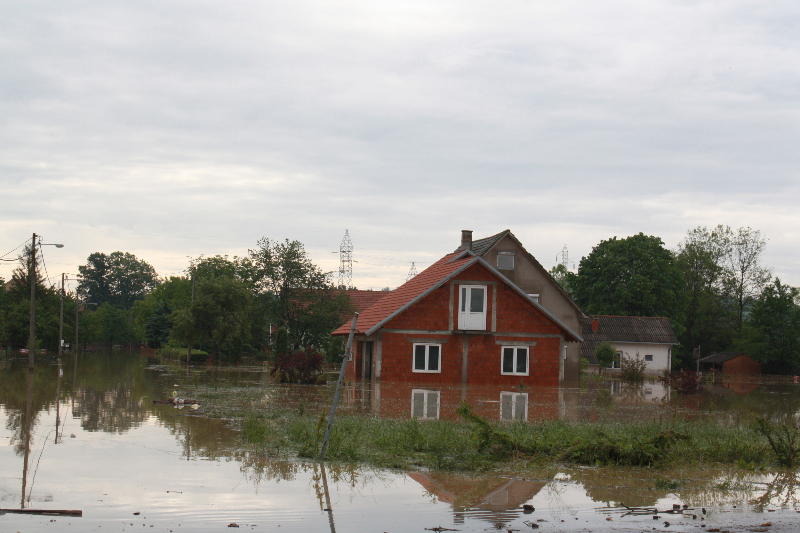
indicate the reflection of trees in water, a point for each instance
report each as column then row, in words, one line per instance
column 14, row 395
column 112, row 392
column 783, row 491
column 777, row 402
column 695, row 487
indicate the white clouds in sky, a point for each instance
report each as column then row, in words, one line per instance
column 174, row 129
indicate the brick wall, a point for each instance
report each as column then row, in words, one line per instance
column 514, row 315
column 741, row 365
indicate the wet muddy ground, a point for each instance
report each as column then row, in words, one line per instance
column 88, row 437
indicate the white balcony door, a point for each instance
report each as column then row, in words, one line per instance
column 472, row 309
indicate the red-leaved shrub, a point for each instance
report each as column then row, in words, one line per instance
column 686, row 382
column 302, row 366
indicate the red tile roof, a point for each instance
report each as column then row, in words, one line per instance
column 422, row 284
column 362, row 300
column 410, row 291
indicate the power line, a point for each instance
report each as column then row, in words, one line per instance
column 14, row 250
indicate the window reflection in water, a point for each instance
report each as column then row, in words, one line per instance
column 425, row 404
column 513, row 406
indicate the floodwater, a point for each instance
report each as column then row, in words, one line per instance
column 85, row 435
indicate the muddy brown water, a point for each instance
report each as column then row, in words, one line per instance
column 85, row 435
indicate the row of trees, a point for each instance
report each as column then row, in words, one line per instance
column 223, row 306
column 713, row 288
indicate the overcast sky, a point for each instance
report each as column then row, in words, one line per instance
column 173, row 129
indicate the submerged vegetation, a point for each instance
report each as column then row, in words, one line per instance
column 473, row 443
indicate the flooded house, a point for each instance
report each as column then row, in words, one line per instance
column 461, row 321
column 730, row 363
column 507, row 254
column 648, row 338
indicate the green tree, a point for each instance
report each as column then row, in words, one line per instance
column 16, row 305
column 701, row 257
column 175, row 292
column 218, row 318
column 634, row 276
column 115, row 325
column 605, row 355
column 118, row 279
column 563, row 277
column 745, row 277
column 772, row 333
column 281, row 342
column 159, row 325
column 294, row 292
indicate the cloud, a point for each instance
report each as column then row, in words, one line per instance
column 185, row 128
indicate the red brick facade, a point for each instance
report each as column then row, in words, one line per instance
column 466, row 357
column 741, row 365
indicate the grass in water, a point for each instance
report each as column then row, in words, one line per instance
column 473, row 443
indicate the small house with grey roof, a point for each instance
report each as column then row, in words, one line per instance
column 649, row 338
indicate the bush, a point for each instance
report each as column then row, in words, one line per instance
column 605, row 355
column 686, row 382
column 632, row 370
column 298, row 367
column 334, row 350
column 281, row 342
column 784, row 439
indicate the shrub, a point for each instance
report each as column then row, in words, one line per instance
column 605, row 355
column 334, row 350
column 784, row 439
column 686, row 382
column 298, row 367
column 281, row 342
column 632, row 369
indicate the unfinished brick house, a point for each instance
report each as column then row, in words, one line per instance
column 459, row 322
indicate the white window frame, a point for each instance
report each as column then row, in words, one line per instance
column 648, row 360
column 427, row 346
column 617, row 362
column 427, row 395
column 513, row 396
column 527, row 360
column 465, row 316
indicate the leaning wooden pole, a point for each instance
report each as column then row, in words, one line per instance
column 339, row 386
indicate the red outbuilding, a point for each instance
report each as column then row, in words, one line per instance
column 460, row 321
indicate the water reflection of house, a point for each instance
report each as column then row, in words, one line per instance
column 460, row 321
column 423, row 402
column 495, row 499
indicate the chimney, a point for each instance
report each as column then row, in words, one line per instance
column 595, row 325
column 466, row 239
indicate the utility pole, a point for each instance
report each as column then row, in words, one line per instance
column 32, row 279
column 61, row 321
column 77, row 307
column 189, row 349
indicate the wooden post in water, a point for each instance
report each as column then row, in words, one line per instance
column 339, row 386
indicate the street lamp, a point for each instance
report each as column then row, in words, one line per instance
column 32, row 278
